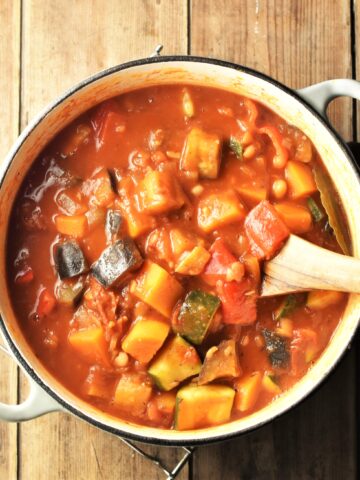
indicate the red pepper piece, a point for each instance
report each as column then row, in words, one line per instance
column 46, row 303
column 219, row 263
column 281, row 153
column 107, row 122
column 24, row 276
column 265, row 230
column 238, row 301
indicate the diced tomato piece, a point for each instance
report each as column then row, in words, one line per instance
column 266, row 230
column 219, row 263
column 106, row 122
column 24, row 276
column 46, row 303
column 303, row 348
column 238, row 301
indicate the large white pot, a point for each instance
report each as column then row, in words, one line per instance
column 305, row 109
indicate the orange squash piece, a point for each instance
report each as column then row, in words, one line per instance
column 296, row 217
column 247, row 391
column 75, row 225
column 91, row 345
column 300, row 179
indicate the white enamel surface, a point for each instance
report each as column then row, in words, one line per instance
column 37, row 403
column 285, row 105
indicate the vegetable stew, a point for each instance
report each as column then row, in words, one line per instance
column 135, row 250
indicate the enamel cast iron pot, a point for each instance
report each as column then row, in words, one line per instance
column 304, row 108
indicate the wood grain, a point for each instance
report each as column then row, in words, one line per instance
column 9, row 112
column 297, row 43
column 64, row 42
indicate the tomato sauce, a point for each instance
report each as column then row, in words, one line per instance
column 135, row 248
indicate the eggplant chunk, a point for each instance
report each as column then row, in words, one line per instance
column 276, row 348
column 116, row 261
column 70, row 260
column 113, row 223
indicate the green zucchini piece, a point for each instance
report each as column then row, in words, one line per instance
column 236, row 147
column 203, row 406
column 195, row 316
column 276, row 348
column 329, row 200
column 315, row 211
column 220, row 362
column 286, row 307
column 177, row 361
column 68, row 291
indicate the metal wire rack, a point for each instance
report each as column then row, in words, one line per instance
column 171, row 473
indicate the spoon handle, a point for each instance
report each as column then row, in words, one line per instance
column 301, row 265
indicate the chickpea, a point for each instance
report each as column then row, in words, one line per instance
column 249, row 152
column 279, row 188
column 122, row 359
column 279, row 162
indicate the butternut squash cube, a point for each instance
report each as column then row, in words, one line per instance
column 252, row 195
column 247, row 391
column 91, row 345
column 156, row 287
column 201, row 153
column 74, row 225
column 219, row 209
column 145, row 338
column 159, row 192
column 320, row 299
column 300, row 179
column 132, row 394
column 296, row 217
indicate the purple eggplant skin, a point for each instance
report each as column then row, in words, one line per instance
column 69, row 260
column 116, row 261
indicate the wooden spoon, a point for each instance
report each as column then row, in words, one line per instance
column 301, row 266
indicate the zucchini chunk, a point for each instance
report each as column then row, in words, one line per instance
column 132, row 394
column 177, row 361
column 276, row 348
column 68, row 291
column 113, row 223
column 70, row 260
column 145, row 338
column 193, row 263
column 156, row 287
column 236, row 146
column 203, row 406
column 316, row 213
column 201, row 154
column 286, row 307
column 115, row 261
column 220, row 362
column 269, row 383
column 195, row 316
column 219, row 209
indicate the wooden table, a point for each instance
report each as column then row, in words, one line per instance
column 47, row 46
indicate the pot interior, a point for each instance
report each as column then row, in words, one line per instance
column 191, row 71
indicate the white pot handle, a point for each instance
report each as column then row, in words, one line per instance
column 320, row 95
column 37, row 403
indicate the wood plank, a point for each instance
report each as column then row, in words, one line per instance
column 63, row 43
column 295, row 42
column 9, row 115
column 298, row 44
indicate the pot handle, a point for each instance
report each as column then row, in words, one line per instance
column 37, row 403
column 320, row 95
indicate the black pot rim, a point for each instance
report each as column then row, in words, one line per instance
column 16, row 147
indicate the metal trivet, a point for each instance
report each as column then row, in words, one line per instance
column 170, row 474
